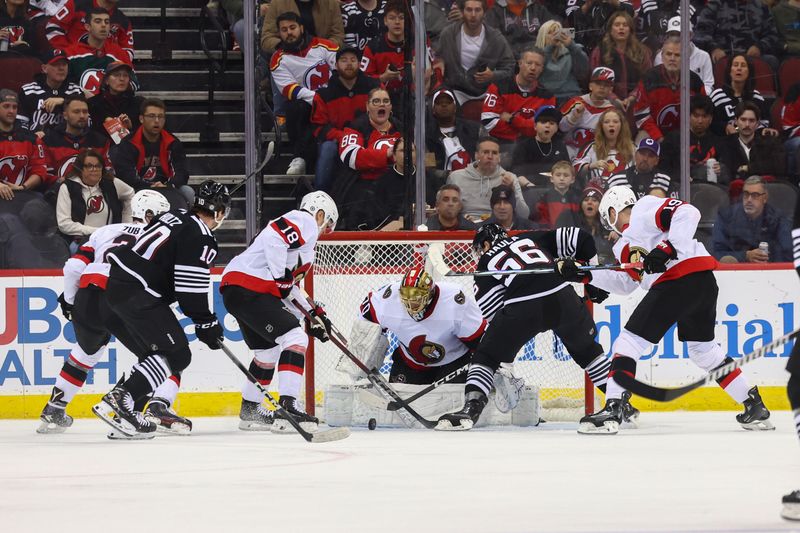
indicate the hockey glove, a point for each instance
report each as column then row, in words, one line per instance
column 595, row 294
column 285, row 284
column 66, row 308
column 567, row 268
column 656, row 261
column 320, row 325
column 209, row 333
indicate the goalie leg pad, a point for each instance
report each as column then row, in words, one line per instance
column 368, row 343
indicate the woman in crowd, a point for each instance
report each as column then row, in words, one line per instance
column 588, row 218
column 567, row 66
column 739, row 86
column 609, row 153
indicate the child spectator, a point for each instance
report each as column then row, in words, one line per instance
column 559, row 197
column 610, row 152
column 532, row 156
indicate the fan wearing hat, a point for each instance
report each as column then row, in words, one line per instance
column 21, row 148
column 117, row 99
column 450, row 138
column 643, row 177
column 503, row 205
column 699, row 60
column 40, row 101
column 335, row 106
column 533, row 157
column 588, row 218
column 581, row 113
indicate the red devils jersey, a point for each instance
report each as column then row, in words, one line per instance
column 61, row 148
column 579, row 129
column 21, row 155
column 363, row 148
column 88, row 64
column 380, row 53
column 335, row 106
column 790, row 118
column 657, row 110
column 299, row 75
column 67, row 27
column 507, row 97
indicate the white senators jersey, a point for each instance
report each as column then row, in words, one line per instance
column 655, row 220
column 451, row 322
column 286, row 243
column 89, row 266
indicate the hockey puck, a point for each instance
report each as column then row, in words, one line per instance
column 372, row 424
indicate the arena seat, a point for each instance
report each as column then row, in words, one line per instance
column 472, row 110
column 788, row 73
column 765, row 77
column 782, row 195
column 775, row 114
column 18, row 70
column 708, row 198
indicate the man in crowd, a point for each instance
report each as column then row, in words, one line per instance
column 581, row 113
column 22, row 165
column 740, row 228
column 503, row 205
column 643, row 176
column 704, row 144
column 40, row 101
column 67, row 26
column 448, row 215
column 450, row 138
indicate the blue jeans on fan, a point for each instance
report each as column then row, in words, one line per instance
column 327, row 153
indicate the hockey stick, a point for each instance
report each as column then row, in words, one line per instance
column 390, row 405
column 660, row 394
column 327, row 435
column 373, row 375
column 584, row 268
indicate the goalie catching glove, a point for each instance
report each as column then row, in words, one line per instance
column 209, row 333
column 320, row 325
column 656, row 260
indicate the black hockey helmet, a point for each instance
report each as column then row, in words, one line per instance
column 213, row 197
column 487, row 233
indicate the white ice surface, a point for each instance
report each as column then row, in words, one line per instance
column 687, row 472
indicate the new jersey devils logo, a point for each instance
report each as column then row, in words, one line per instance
column 669, row 117
column 425, row 352
column 317, row 76
column 95, row 204
column 91, row 80
column 16, row 33
column 384, row 143
column 457, row 160
column 582, row 136
column 12, row 169
column 66, row 166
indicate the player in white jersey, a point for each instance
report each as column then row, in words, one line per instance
column 679, row 279
column 436, row 324
column 254, row 286
column 83, row 303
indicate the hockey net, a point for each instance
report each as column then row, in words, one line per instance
column 350, row 265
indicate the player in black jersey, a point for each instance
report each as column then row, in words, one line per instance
column 791, row 502
column 169, row 262
column 521, row 306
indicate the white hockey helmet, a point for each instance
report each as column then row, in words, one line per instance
column 619, row 198
column 314, row 201
column 148, row 200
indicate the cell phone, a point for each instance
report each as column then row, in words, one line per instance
column 569, row 31
column 392, row 68
column 481, row 67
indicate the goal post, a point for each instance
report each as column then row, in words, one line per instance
column 348, row 265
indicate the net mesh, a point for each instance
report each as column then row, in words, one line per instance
column 346, row 271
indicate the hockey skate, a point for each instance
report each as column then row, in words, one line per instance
column 289, row 404
column 54, row 418
column 604, row 422
column 253, row 416
column 791, row 506
column 467, row 417
column 165, row 419
column 756, row 415
column 630, row 414
column 116, row 410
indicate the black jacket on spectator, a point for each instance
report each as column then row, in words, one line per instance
column 31, row 113
column 767, row 158
column 531, row 157
column 21, row 32
column 701, row 149
column 140, row 163
column 643, row 183
column 106, row 105
column 467, row 132
column 434, row 224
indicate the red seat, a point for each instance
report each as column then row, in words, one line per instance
column 471, row 110
column 789, row 73
column 775, row 114
column 18, row 70
column 765, row 77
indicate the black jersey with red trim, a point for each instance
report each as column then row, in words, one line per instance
column 21, row 155
column 335, row 106
column 507, row 97
column 657, row 109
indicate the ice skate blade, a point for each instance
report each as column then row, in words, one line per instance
column 609, row 427
column 759, row 425
column 283, row 427
column 791, row 511
column 250, row 425
column 104, row 412
column 446, row 425
column 116, row 435
column 633, row 423
column 50, row 428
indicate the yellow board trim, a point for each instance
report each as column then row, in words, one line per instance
column 227, row 403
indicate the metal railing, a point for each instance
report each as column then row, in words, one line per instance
column 211, row 21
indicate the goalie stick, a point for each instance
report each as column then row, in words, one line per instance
column 659, row 394
column 327, row 435
column 391, row 405
column 373, row 375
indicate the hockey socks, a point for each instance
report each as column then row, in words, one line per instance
column 75, row 371
column 146, row 376
column 168, row 391
column 619, row 364
column 598, row 371
column 480, row 378
column 263, row 372
column 290, row 373
column 734, row 383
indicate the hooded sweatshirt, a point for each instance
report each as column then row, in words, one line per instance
column 476, row 190
column 98, row 213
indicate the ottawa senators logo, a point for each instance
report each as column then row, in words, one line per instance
column 95, row 204
column 317, row 76
column 669, row 117
column 425, row 352
column 460, row 298
column 634, row 254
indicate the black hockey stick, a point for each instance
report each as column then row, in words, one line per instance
column 659, row 394
column 373, row 375
column 327, row 435
column 394, row 406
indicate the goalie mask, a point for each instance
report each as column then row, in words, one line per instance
column 416, row 292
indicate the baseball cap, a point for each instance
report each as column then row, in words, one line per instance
column 7, row 95
column 503, row 192
column 547, row 112
column 348, row 50
column 650, row 144
column 55, row 55
column 603, row 74
column 114, row 65
column 674, row 24
column 440, row 92
column 593, row 189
